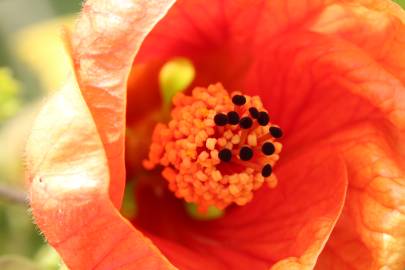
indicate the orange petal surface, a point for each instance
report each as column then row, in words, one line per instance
column 69, row 191
column 280, row 228
column 108, row 34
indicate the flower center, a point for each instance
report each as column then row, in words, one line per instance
column 217, row 148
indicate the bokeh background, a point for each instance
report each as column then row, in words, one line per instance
column 32, row 65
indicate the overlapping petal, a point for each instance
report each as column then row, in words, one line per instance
column 76, row 145
column 70, row 191
column 108, row 34
column 370, row 233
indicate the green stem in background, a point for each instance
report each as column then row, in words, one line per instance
column 12, row 194
column 13, row 262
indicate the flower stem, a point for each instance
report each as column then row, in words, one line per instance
column 13, row 195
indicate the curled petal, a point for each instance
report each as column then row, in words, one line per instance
column 108, row 34
column 69, row 191
column 370, row 233
column 77, row 144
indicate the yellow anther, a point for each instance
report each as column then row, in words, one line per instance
column 252, row 140
column 222, row 142
column 235, row 139
column 210, row 143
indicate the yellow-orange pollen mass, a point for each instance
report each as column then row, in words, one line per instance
column 217, row 149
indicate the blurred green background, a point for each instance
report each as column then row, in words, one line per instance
column 22, row 89
column 28, row 34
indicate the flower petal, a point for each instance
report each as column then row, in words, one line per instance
column 377, row 27
column 69, row 191
column 237, row 33
column 280, row 227
column 370, row 233
column 75, row 147
column 341, row 87
column 344, row 90
column 221, row 38
column 108, row 34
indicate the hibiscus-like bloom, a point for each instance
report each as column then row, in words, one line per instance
column 330, row 73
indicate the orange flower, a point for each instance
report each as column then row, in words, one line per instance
column 331, row 73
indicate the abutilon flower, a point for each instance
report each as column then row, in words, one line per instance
column 293, row 126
